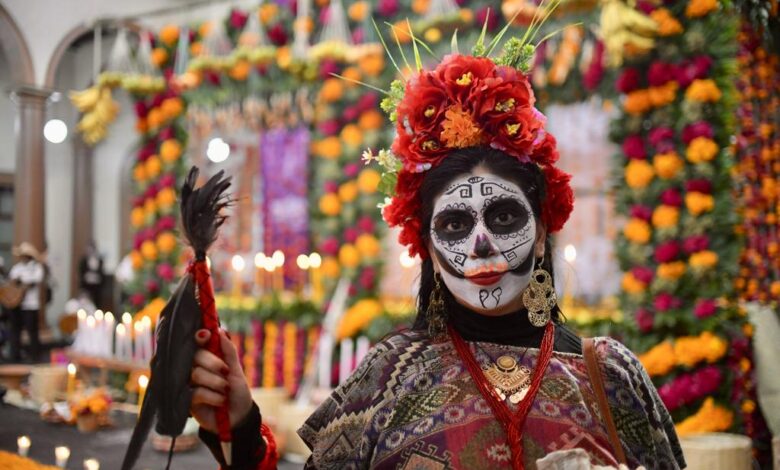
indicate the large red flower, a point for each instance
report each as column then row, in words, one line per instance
column 416, row 150
column 462, row 75
column 545, row 152
column 559, row 200
column 503, row 94
column 424, row 103
column 514, row 133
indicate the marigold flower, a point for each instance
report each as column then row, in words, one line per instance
column 459, row 128
column 637, row 231
column 159, row 56
column 349, row 256
column 329, row 147
column 709, row 418
column 665, row 216
column 170, row 150
column 149, row 250
column 667, row 165
column 667, row 23
column 703, row 90
column 348, row 191
column 637, row 102
column 351, row 135
column 330, row 204
column 632, row 285
column 662, row 95
column 698, row 203
column 701, row 149
column 368, row 181
column 671, row 271
column 332, row 90
column 639, row 174
column 699, row 8
column 659, row 360
column 703, row 259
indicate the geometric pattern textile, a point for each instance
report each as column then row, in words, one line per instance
column 412, row 404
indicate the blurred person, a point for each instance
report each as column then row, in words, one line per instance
column 29, row 273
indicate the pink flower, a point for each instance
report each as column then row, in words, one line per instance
column 643, row 274
column 351, row 113
column 645, row 6
column 278, row 35
column 351, row 234
column 689, row 387
column 146, row 152
column 367, row 278
column 697, row 129
column 667, row 251
column 705, row 308
column 157, row 100
column 366, row 224
column 595, row 73
column 628, row 81
column 328, row 67
column 671, row 197
column 367, row 101
column 351, row 170
column 331, row 187
column 690, row 70
column 634, row 147
column 167, row 180
column 138, row 299
column 165, row 271
column 699, row 186
column 660, row 72
column 329, row 127
column 662, row 139
column 387, row 7
column 488, row 14
column 664, row 302
column 358, row 35
column 141, row 109
column 151, row 191
column 330, row 246
column 642, row 212
column 238, row 19
column 167, row 133
column 644, row 319
column 152, row 286
column 167, row 222
column 695, row 244
column 138, row 240
column 212, row 77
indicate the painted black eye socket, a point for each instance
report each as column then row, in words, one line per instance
column 452, row 225
column 506, row 216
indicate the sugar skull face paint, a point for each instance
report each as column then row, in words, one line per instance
column 483, row 233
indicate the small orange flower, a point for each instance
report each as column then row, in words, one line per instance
column 240, row 71
column 159, row 57
column 169, row 34
column 667, row 23
column 699, row 8
column 637, row 102
column 352, row 135
column 639, row 174
column 459, row 129
column 666, row 216
column 698, row 203
column 667, row 165
column 701, row 149
column 703, row 90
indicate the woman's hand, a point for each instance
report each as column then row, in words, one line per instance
column 215, row 381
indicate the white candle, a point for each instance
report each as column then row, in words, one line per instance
column 147, row 334
column 108, row 334
column 347, row 354
column 23, row 443
column 61, row 455
column 91, row 464
column 363, row 345
column 120, row 351
column 81, row 330
column 89, row 347
column 326, row 353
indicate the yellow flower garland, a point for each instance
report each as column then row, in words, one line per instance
column 709, row 418
column 685, row 351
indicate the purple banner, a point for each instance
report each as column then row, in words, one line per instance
column 284, row 166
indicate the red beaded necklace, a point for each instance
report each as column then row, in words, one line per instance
column 513, row 422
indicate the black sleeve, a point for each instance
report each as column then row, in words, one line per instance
column 248, row 444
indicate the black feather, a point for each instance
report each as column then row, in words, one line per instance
column 201, row 210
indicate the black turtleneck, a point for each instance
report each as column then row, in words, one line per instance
column 512, row 329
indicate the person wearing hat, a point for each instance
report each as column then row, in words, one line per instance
column 29, row 273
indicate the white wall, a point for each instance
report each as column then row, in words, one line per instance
column 7, row 116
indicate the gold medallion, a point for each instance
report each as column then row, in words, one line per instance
column 508, row 378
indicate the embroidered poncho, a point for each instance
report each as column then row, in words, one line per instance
column 413, row 405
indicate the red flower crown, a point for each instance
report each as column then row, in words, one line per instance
column 465, row 101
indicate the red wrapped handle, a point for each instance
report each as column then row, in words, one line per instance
column 205, row 294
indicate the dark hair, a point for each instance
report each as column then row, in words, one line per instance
column 460, row 162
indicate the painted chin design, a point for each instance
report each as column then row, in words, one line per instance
column 483, row 233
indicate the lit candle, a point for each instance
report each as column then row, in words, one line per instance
column 347, row 354
column 91, row 464
column 143, row 382
column 23, row 443
column 61, row 455
column 71, row 379
column 238, row 265
column 303, row 264
column 108, row 334
column 123, row 347
column 315, row 261
column 278, row 260
column 259, row 272
column 90, row 336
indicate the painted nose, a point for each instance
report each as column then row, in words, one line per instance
column 482, row 246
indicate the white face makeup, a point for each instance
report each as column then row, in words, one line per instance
column 483, row 233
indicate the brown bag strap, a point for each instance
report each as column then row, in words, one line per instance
column 594, row 373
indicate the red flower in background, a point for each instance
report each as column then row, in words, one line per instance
column 643, row 274
column 667, row 251
column 671, row 197
column 485, row 13
column 628, row 80
column 661, row 139
column 695, row 244
column 641, row 212
column 699, row 186
column 664, row 302
column 644, row 319
column 634, row 147
column 278, row 35
column 330, row 246
column 697, row 129
column 660, row 73
column 705, row 308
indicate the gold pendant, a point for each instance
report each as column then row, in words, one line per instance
column 508, row 378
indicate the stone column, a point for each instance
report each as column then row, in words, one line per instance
column 82, row 206
column 30, row 176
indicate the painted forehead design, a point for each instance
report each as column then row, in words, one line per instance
column 472, row 190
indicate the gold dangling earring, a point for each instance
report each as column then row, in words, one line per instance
column 539, row 297
column 435, row 311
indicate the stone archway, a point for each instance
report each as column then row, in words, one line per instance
column 15, row 49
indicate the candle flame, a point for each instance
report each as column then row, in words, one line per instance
column 315, row 260
column 303, row 262
column 72, row 369
column 260, row 260
column 23, row 441
column 81, row 314
column 98, row 314
column 109, row 317
column 143, row 381
column 127, row 318
column 238, row 263
column 120, row 330
column 61, row 452
column 91, row 464
column 570, row 253
column 278, row 258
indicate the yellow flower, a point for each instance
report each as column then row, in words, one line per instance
column 637, row 102
column 432, row 35
column 139, row 173
column 150, row 206
column 153, row 166
column 268, row 12
column 703, row 90
column 639, row 174
column 371, row 120
column 368, row 245
column 357, row 11
column 332, row 90
column 330, row 204
column 368, row 181
column 351, row 76
column 170, row 150
column 459, row 129
column 703, row 259
column 240, row 71
column 358, row 317
column 351, row 135
column 671, row 271
column 632, row 285
column 662, row 95
column 349, row 256
column 665, row 216
column 137, row 217
column 172, row 107
column 698, row 203
column 701, row 149
column 659, row 360
column 709, row 418
column 169, row 34
column 149, row 250
column 136, row 260
column 330, row 267
column 748, row 406
column 166, row 198
column 372, row 64
column 166, row 242
column 348, row 191
column 667, row 165
column 329, row 147
column 698, row 8
column 637, row 231
column 159, row 56
column 667, row 23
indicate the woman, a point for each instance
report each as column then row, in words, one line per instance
column 489, row 376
